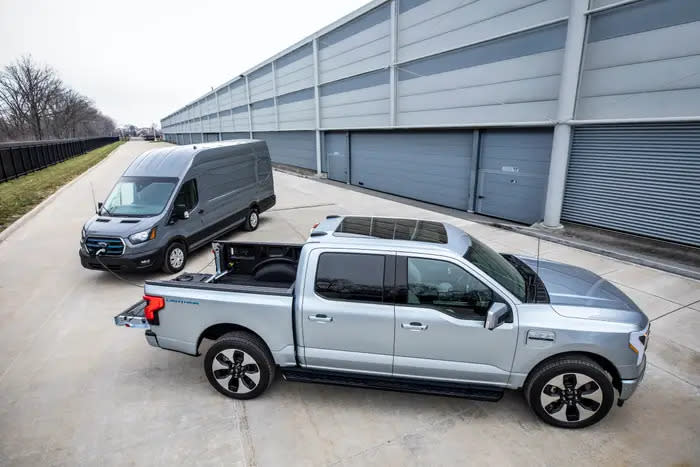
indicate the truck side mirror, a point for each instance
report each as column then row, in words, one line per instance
column 181, row 211
column 99, row 206
column 496, row 315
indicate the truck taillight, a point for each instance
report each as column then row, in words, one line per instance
column 153, row 304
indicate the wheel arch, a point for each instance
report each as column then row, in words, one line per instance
column 215, row 331
column 180, row 239
column 606, row 364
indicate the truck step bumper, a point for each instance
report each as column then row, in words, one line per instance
column 482, row 393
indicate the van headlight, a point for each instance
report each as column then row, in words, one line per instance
column 144, row 236
column 83, row 234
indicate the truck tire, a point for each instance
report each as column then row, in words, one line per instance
column 175, row 258
column 570, row 392
column 252, row 219
column 239, row 365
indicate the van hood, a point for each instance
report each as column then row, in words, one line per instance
column 578, row 293
column 117, row 226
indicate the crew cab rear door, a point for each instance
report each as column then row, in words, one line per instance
column 347, row 312
column 440, row 314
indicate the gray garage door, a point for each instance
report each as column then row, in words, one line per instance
column 428, row 166
column 240, row 135
column 296, row 148
column 211, row 137
column 337, row 161
column 196, row 137
column 513, row 172
column 637, row 178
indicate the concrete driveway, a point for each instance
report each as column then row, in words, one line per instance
column 76, row 390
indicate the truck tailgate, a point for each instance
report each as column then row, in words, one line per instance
column 133, row 317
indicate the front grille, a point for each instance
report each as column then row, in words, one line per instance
column 113, row 246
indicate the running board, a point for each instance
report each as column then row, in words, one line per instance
column 476, row 392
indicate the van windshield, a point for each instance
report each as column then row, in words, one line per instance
column 139, row 196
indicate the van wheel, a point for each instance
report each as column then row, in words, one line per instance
column 239, row 366
column 175, row 258
column 570, row 392
column 253, row 219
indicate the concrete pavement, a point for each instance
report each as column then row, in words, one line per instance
column 76, row 390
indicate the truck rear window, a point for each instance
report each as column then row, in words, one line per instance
column 350, row 276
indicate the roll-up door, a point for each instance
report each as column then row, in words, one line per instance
column 513, row 171
column 427, row 166
column 296, row 148
column 638, row 178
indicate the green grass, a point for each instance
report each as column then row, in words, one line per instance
column 19, row 196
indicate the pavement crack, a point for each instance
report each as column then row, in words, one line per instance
column 241, row 421
column 672, row 311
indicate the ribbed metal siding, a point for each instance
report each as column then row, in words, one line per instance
column 637, row 178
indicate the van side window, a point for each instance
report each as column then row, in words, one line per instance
column 350, row 276
column 448, row 288
column 188, row 195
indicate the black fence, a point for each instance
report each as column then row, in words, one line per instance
column 17, row 159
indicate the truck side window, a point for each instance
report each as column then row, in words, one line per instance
column 188, row 195
column 446, row 286
column 350, row 276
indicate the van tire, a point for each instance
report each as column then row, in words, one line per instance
column 254, row 350
column 174, row 258
column 252, row 219
column 600, row 394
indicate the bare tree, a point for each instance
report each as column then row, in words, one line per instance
column 35, row 104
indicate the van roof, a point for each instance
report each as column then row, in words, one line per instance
column 175, row 161
column 391, row 233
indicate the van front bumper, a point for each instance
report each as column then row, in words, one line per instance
column 143, row 262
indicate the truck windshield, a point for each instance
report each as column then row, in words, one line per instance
column 497, row 267
column 139, row 196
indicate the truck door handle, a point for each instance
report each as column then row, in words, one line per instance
column 414, row 326
column 201, row 211
column 320, row 318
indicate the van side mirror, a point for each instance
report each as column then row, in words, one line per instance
column 181, row 211
column 496, row 315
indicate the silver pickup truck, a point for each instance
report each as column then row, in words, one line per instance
column 408, row 305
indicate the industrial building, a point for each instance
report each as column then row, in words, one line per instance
column 526, row 110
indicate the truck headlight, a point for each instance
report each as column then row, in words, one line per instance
column 639, row 341
column 144, row 236
column 83, row 233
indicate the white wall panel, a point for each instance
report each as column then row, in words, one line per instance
column 224, row 97
column 226, row 121
column 364, row 107
column 440, row 25
column 297, row 115
column 356, row 47
column 648, row 74
column 295, row 71
column 260, row 83
column 240, row 119
column 264, row 117
column 238, row 95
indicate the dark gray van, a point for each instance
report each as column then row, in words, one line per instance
column 172, row 200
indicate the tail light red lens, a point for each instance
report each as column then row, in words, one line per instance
column 153, row 304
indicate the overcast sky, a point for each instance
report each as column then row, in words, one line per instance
column 141, row 60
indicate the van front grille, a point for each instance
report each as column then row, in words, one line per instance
column 113, row 246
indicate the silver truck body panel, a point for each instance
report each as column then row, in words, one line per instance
column 373, row 339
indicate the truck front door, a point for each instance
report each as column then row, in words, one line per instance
column 440, row 334
column 348, row 319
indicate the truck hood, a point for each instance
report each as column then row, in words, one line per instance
column 578, row 293
column 117, row 226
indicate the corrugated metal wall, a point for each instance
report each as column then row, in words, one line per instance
column 642, row 60
column 637, row 178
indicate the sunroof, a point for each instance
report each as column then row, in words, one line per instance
column 393, row 229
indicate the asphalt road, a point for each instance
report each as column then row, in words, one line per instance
column 76, row 390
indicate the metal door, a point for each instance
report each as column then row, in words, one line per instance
column 638, row 178
column 513, row 171
column 427, row 166
column 296, row 148
column 336, row 145
column 340, row 333
column 430, row 343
